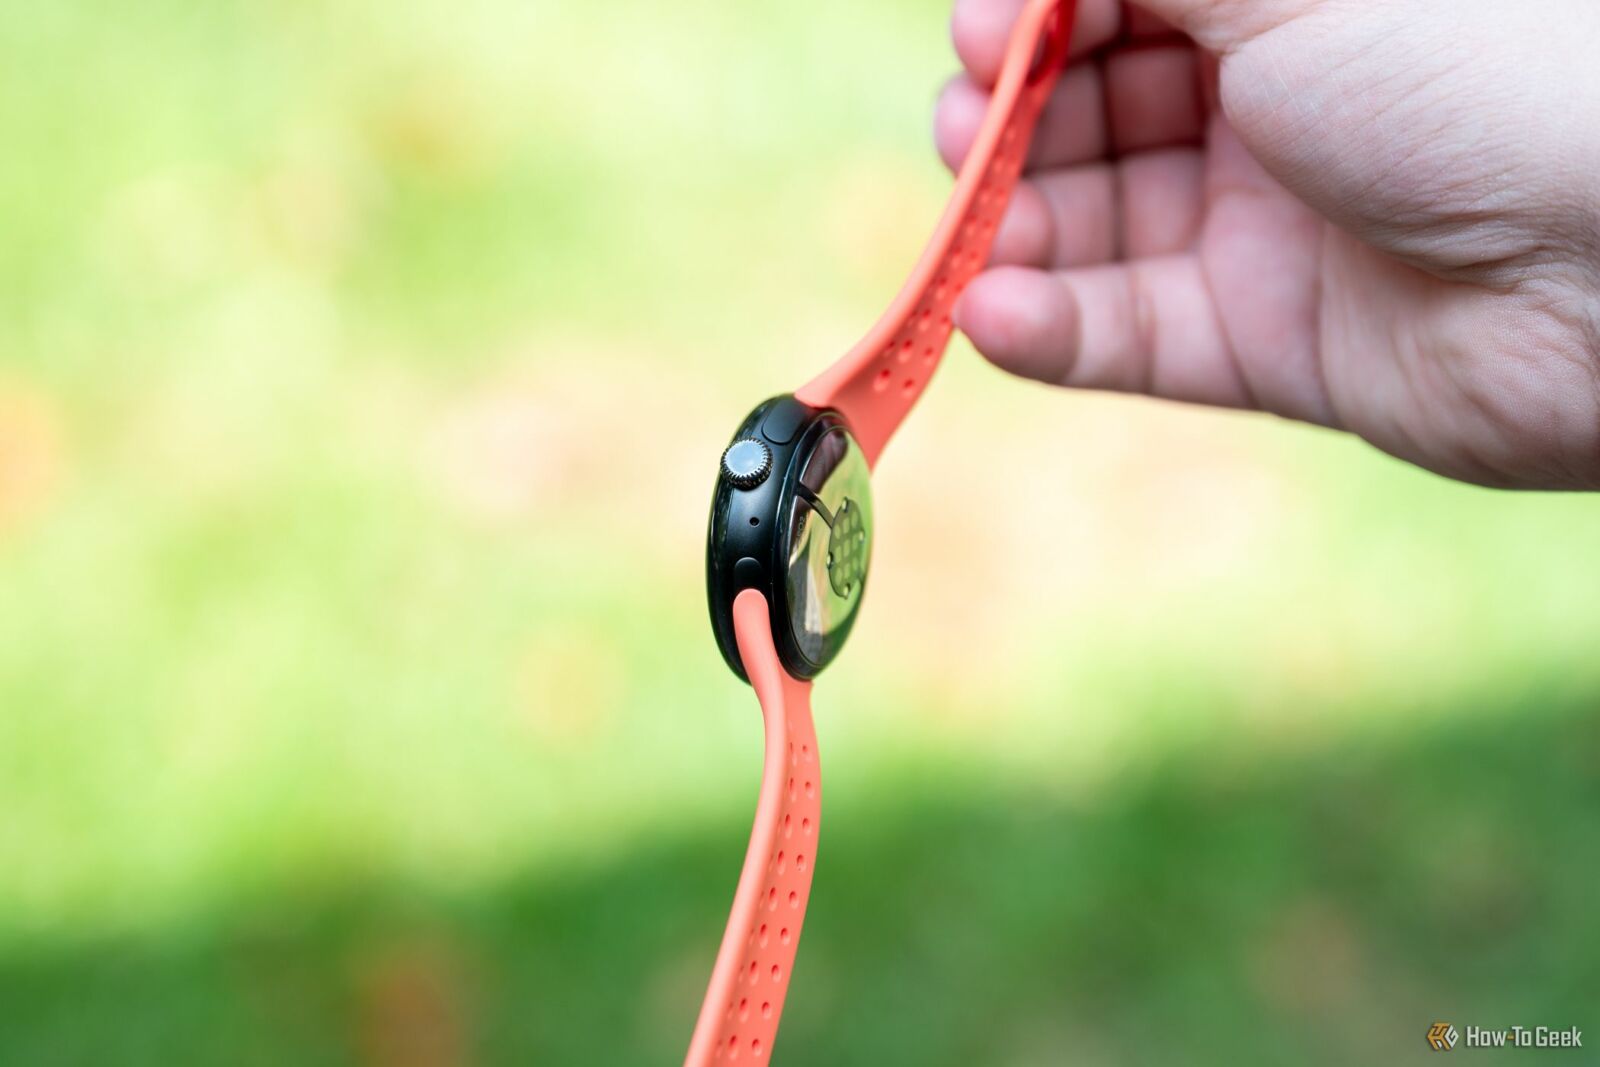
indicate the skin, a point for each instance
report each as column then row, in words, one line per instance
column 1377, row 216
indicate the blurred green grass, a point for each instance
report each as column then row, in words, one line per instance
column 354, row 678
column 1209, row 909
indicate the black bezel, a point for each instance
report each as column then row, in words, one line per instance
column 745, row 544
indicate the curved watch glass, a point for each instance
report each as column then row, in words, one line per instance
column 828, row 545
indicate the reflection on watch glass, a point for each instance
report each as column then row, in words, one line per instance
column 829, row 545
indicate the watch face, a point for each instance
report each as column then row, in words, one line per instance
column 792, row 519
column 828, row 545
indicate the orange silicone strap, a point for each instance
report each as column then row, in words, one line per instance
column 878, row 380
column 739, row 1018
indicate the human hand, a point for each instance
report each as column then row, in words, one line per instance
column 1374, row 216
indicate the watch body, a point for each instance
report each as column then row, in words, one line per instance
column 791, row 518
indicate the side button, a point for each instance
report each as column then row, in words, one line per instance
column 783, row 422
column 747, row 574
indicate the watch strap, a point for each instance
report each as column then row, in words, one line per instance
column 739, row 1017
column 876, row 383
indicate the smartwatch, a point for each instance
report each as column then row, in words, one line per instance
column 790, row 544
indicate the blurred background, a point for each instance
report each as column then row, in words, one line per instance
column 363, row 370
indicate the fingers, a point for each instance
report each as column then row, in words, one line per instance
column 1079, row 209
column 1149, row 326
column 1138, row 22
column 1082, row 207
column 1097, row 281
column 1150, row 323
column 1072, row 128
column 956, row 118
column 1147, row 205
column 982, row 28
column 1153, row 98
column 1133, row 98
column 1026, row 235
column 1056, row 306
column 1161, row 200
column 1022, row 320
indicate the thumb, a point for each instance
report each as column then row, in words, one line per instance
column 1223, row 25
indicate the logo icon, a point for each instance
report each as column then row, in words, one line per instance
column 1442, row 1037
